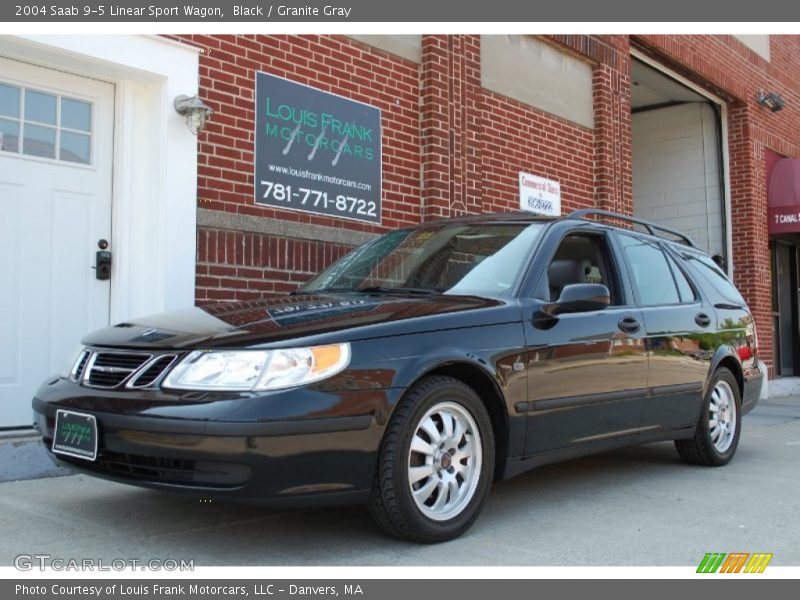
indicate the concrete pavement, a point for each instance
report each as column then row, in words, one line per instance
column 633, row 507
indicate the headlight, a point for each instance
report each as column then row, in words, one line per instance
column 257, row 369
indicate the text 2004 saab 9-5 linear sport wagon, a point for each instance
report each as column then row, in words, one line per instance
column 420, row 368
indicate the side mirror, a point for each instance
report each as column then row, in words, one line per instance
column 580, row 297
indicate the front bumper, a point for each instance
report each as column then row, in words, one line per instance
column 324, row 455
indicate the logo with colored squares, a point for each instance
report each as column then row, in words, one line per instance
column 736, row 562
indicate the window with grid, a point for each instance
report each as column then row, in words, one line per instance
column 45, row 125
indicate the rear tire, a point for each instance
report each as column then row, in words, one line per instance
column 435, row 464
column 716, row 434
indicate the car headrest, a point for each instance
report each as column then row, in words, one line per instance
column 567, row 271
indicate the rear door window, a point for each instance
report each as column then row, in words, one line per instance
column 651, row 274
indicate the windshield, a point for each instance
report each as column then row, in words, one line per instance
column 466, row 259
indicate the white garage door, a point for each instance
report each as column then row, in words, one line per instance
column 676, row 172
column 56, row 143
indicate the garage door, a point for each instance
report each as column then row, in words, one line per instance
column 56, row 142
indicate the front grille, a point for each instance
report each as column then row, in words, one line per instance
column 152, row 372
column 80, row 365
column 172, row 470
column 110, row 369
column 161, row 469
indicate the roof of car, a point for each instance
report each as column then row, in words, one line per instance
column 652, row 230
column 518, row 216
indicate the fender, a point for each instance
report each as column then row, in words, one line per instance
column 496, row 368
column 722, row 353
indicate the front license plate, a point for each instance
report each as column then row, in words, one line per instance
column 75, row 435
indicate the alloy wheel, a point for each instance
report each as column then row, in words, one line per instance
column 444, row 461
column 722, row 416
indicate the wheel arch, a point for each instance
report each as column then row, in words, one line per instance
column 485, row 385
column 726, row 357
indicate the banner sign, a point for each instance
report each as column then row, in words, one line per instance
column 316, row 152
column 539, row 195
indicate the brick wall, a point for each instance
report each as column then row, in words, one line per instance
column 238, row 266
column 451, row 147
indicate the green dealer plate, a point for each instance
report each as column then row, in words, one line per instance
column 75, row 435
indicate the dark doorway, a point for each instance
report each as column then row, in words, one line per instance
column 785, row 330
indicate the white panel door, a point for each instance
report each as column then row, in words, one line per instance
column 56, row 143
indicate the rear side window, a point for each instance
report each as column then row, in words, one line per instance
column 714, row 279
column 684, row 287
column 652, row 275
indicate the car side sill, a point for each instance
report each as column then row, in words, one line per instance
column 517, row 465
column 603, row 397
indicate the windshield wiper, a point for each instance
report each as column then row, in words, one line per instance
column 371, row 289
column 382, row 289
column 328, row 290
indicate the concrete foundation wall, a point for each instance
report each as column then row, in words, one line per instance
column 527, row 69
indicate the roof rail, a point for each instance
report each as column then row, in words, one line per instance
column 651, row 227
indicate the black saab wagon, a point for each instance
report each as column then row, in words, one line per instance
column 420, row 368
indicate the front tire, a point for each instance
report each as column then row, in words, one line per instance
column 435, row 464
column 716, row 435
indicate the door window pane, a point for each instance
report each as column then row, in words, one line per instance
column 651, row 273
column 40, row 107
column 580, row 259
column 9, row 100
column 9, row 135
column 76, row 114
column 39, row 141
column 75, row 147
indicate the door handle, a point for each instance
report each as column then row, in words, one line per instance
column 629, row 324
column 102, row 261
column 702, row 319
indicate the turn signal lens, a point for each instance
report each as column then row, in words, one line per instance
column 326, row 357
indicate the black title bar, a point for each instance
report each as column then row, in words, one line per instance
column 465, row 11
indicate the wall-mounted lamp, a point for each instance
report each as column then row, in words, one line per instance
column 195, row 110
column 771, row 100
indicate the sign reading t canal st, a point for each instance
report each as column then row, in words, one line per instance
column 316, row 152
column 783, row 197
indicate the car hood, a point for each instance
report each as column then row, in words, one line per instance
column 313, row 318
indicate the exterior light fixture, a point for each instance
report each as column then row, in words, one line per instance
column 771, row 100
column 195, row 110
